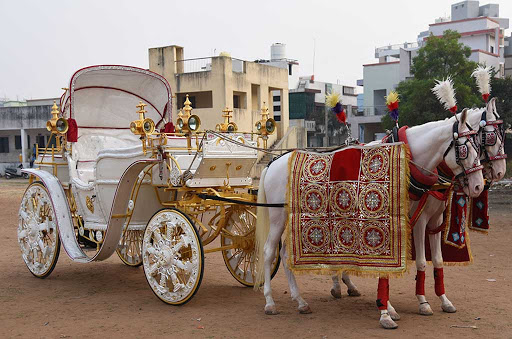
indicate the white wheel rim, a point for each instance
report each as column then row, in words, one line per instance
column 171, row 256
column 37, row 230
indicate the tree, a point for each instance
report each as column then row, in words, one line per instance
column 439, row 58
column 501, row 89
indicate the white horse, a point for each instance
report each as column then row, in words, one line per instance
column 427, row 144
column 432, row 215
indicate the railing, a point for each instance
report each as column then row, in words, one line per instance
column 371, row 110
column 194, row 65
column 238, row 65
column 396, row 46
column 205, row 65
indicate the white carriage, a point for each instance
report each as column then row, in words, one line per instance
column 108, row 182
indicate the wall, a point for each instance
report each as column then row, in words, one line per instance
column 254, row 81
column 379, row 76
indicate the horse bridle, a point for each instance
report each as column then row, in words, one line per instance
column 462, row 151
column 489, row 138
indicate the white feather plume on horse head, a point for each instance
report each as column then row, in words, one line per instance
column 445, row 93
column 482, row 76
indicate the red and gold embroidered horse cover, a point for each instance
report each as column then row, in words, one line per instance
column 348, row 210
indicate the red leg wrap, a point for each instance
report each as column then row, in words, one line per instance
column 383, row 293
column 420, row 283
column 439, row 280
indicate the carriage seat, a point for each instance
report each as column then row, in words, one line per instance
column 95, row 145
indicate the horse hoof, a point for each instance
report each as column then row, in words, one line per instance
column 336, row 293
column 448, row 308
column 353, row 293
column 271, row 310
column 305, row 309
column 425, row 309
column 394, row 315
column 387, row 323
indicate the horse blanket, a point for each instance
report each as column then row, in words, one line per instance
column 462, row 213
column 348, row 210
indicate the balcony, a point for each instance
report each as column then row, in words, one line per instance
column 394, row 50
column 205, row 64
column 372, row 110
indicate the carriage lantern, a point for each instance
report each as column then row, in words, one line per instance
column 188, row 122
column 143, row 126
column 56, row 125
column 266, row 126
column 227, row 126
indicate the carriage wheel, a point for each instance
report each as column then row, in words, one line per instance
column 173, row 257
column 37, row 231
column 239, row 230
column 130, row 248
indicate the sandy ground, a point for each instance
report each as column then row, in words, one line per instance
column 109, row 299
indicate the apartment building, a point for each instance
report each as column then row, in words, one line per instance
column 308, row 110
column 214, row 83
column 481, row 29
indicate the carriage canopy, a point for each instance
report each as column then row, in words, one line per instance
column 105, row 96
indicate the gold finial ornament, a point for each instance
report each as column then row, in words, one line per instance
column 56, row 125
column 188, row 122
column 143, row 126
column 266, row 126
column 227, row 125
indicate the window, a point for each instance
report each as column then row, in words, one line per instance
column 239, row 100
column 277, row 117
column 289, row 69
column 492, row 49
column 276, row 98
column 17, row 142
column 277, row 108
column 40, row 141
column 197, row 99
column 28, row 141
column 348, row 90
column 4, row 144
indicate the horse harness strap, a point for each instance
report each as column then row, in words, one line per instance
column 419, row 183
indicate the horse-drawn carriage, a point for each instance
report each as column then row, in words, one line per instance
column 154, row 195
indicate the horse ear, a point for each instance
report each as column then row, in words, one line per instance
column 495, row 111
column 463, row 118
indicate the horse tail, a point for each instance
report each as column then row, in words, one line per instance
column 262, row 230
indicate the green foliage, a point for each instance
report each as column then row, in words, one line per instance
column 439, row 58
column 501, row 89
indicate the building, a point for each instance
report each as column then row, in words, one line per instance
column 214, row 83
column 23, row 124
column 278, row 59
column 508, row 56
column 481, row 29
column 308, row 110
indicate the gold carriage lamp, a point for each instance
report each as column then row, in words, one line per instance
column 56, row 125
column 266, row 126
column 227, row 125
column 144, row 126
column 187, row 122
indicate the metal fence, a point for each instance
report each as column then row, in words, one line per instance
column 205, row 65
column 194, row 65
column 371, row 110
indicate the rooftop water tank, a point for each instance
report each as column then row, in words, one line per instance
column 278, row 51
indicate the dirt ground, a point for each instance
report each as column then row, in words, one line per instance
column 109, row 299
